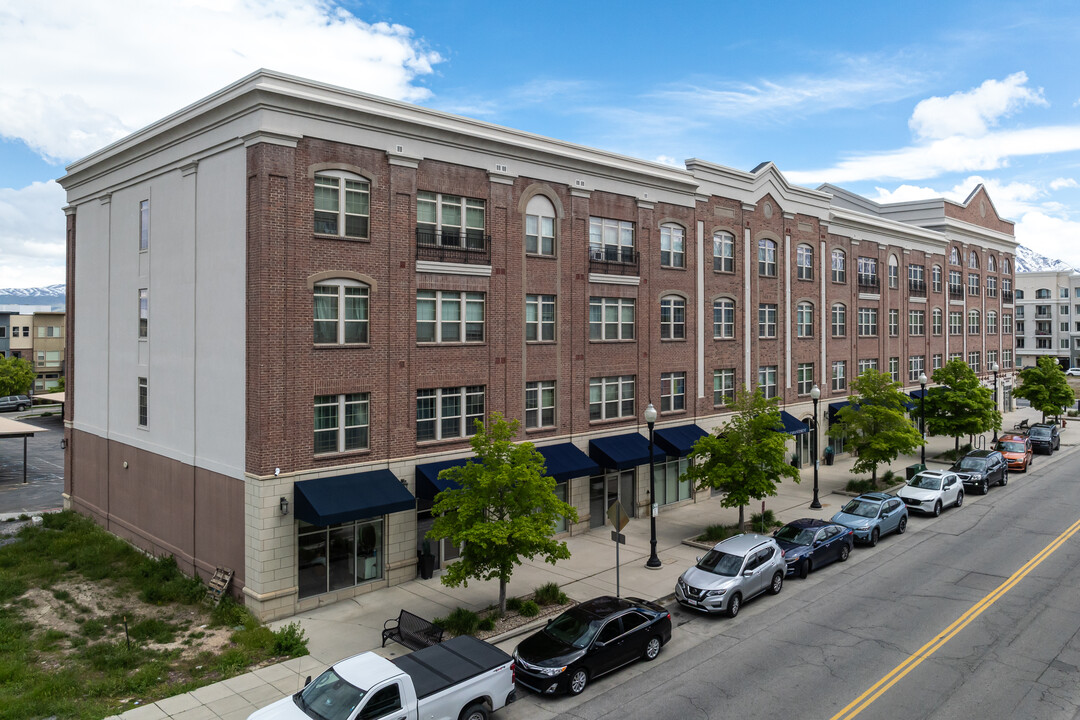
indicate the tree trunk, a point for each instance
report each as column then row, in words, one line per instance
column 956, row 445
column 502, row 595
column 873, row 477
column 741, row 516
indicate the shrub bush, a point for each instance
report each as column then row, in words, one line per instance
column 763, row 521
column 529, row 608
column 290, row 641
column 860, row 486
column 716, row 533
column 460, row 622
column 487, row 624
column 513, row 604
column 550, row 594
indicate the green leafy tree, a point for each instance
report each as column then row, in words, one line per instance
column 504, row 510
column 960, row 405
column 876, row 423
column 747, row 457
column 1046, row 387
column 16, row 376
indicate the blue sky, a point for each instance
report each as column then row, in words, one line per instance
column 894, row 101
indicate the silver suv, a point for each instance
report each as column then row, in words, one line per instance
column 14, row 402
column 734, row 571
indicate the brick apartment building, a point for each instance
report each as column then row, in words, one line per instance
column 288, row 301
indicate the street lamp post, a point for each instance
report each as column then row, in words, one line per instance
column 815, row 393
column 922, row 416
column 653, row 561
column 994, row 369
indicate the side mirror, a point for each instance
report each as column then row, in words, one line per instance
column 308, row 681
column 817, row 543
column 599, row 644
column 774, row 532
column 748, row 573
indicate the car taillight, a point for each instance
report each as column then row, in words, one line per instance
column 513, row 673
column 783, row 553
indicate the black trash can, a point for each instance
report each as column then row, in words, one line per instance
column 829, row 455
column 427, row 566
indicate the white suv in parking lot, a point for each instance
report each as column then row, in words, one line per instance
column 14, row 402
column 734, row 571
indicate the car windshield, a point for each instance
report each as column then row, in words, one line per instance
column 1016, row 447
column 861, row 509
column 926, row 482
column 798, row 536
column 1039, row 432
column 969, row 463
column 573, row 628
column 721, row 563
column 329, row 697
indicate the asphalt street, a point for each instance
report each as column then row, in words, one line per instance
column 879, row 637
column 45, row 466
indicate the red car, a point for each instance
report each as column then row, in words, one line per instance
column 1017, row 451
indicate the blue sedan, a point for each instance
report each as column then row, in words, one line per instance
column 872, row 515
column 809, row 544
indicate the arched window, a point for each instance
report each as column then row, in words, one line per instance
column 973, row 260
column 540, row 226
column 342, row 204
column 341, row 312
column 1006, row 267
column 804, row 320
column 954, row 256
column 839, row 320
column 723, row 245
column 991, row 264
column 672, row 245
column 839, row 266
column 723, row 318
column 766, row 258
column 935, row 321
column 804, row 262
column 991, row 322
column 935, row 278
column 672, row 318
column 1042, row 294
column 894, row 272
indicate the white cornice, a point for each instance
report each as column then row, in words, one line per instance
column 445, row 268
column 614, row 279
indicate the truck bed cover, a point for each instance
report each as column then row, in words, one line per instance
column 436, row 668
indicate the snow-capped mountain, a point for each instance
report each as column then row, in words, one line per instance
column 1027, row 260
column 53, row 296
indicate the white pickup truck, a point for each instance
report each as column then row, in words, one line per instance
column 460, row 679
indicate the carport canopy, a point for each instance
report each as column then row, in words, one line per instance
column 16, row 429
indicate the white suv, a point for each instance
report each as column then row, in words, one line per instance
column 734, row 571
column 14, row 402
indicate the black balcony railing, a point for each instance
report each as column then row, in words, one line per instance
column 869, row 283
column 469, row 247
column 611, row 260
column 1007, row 296
column 956, row 292
column 917, row 288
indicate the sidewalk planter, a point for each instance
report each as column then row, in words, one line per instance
column 426, row 563
column 829, row 455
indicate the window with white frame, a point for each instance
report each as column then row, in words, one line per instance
column 954, row 256
column 341, row 312
column 956, row 282
column 143, row 402
column 804, row 262
column 446, row 413
column 767, row 380
column 935, row 278
column 867, row 364
column 672, row 318
column 540, row 404
column 867, row 270
column 342, row 205
column 611, row 240
column 611, row 397
column 1006, row 285
column 445, row 316
column 1019, row 327
column 894, row 272
column 916, row 365
column 144, row 225
column 916, row 277
column 991, row 358
column 936, row 321
column 973, row 284
column 973, row 322
column 611, row 318
column 1064, row 327
column 766, row 320
column 450, row 220
column 1063, row 293
column 916, row 322
column 804, row 320
column 955, row 356
column 991, row 264
column 991, row 287
column 1063, row 310
column 672, row 246
column 1006, row 358
column 991, row 322
column 1006, row 268
column 839, row 266
column 671, row 482
column 956, row 323
column 723, row 387
column 894, row 369
column 672, row 391
column 1064, row 344
column 342, row 422
column 973, row 260
column 723, row 252
column 539, row 318
column 804, row 376
column 894, row 322
column 936, row 361
column 1007, row 323
column 144, row 313
column 539, row 226
column 973, row 361
column 839, row 320
column 766, row 258
column 839, row 375
column 723, row 318
column 867, row 322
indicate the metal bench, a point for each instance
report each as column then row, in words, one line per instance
column 412, row 631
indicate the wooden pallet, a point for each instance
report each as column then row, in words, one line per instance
column 215, row 589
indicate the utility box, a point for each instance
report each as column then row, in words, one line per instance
column 913, row 470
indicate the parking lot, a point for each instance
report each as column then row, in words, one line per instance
column 44, row 466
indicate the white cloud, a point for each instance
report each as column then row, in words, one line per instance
column 1052, row 236
column 668, row 160
column 32, row 243
column 82, row 74
column 1060, row 183
column 1010, row 199
column 973, row 112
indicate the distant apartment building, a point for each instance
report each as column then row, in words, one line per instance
column 288, row 302
column 5, row 333
column 21, row 344
column 49, row 338
column 1048, row 317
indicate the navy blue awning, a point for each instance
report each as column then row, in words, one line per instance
column 620, row 451
column 565, row 461
column 428, row 483
column 917, row 393
column 835, row 408
column 792, row 425
column 678, row 441
column 338, row 499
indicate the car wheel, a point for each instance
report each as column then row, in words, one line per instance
column 1004, row 478
column 804, row 568
column 902, row 527
column 874, row 535
column 959, row 499
column 734, row 604
column 937, row 508
column 984, row 488
column 777, row 584
column 578, row 681
column 844, row 552
column 474, row 712
column 652, row 648
column 21, row 408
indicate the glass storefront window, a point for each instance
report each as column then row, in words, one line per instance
column 671, row 486
column 561, row 492
column 339, row 556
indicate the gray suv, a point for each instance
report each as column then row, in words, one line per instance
column 734, row 571
column 14, row 402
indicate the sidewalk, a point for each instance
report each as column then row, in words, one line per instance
column 353, row 626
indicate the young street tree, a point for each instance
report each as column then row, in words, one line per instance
column 503, row 511
column 748, row 456
column 1046, row 387
column 875, row 423
column 960, row 405
column 16, row 376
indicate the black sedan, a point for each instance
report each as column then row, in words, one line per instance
column 590, row 640
column 810, row 543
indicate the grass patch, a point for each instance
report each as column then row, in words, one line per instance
column 460, row 621
column 764, row 522
column 529, row 608
column 550, row 594
column 956, row 454
column 716, row 533
column 513, row 604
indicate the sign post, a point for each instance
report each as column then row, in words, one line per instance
column 618, row 518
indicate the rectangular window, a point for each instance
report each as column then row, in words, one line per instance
column 1064, row 344
column 440, row 317
column 144, row 225
column 144, row 313
column 916, row 322
column 839, row 321
column 611, row 397
column 1020, row 312
column 611, row 240
column 956, row 323
column 991, row 323
column 991, row 287
column 342, row 206
column 935, row 278
column 804, row 262
column 1042, row 343
column 804, row 320
column 894, row 322
column 672, row 391
column 839, row 375
column 991, row 358
column 973, row 322
column 839, row 266
column 867, row 364
column 916, row 367
column 973, row 284
column 142, row 402
column 867, row 322
column 723, row 387
column 539, row 318
column 955, row 356
column 805, row 378
column 766, row 258
column 1019, row 327
column 766, row 320
column 724, row 318
column 724, row 252
column 973, row 361
column 539, row 235
column 341, row 314
column 672, row 318
column 937, row 361
column 767, row 380
column 1006, row 359
column 672, row 246
column 894, row 369
column 936, row 321
column 445, row 413
column 3, row 331
column 867, row 272
column 1063, row 310
column 540, row 404
column 451, row 220
column 671, row 482
column 341, row 422
column 611, row 318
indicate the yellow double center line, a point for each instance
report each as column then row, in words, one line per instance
column 860, row 703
